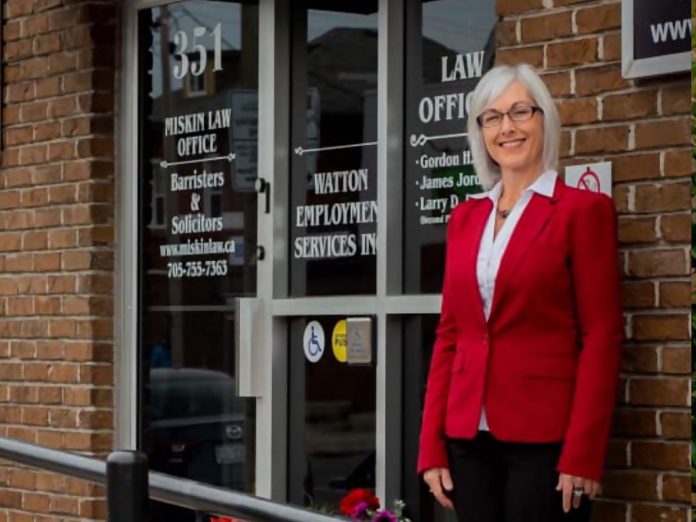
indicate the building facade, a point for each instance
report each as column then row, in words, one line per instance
column 222, row 230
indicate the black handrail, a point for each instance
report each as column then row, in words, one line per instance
column 162, row 487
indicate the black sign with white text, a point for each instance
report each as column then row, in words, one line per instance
column 660, row 28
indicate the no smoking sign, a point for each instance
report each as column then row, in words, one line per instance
column 595, row 177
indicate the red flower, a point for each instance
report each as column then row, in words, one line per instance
column 355, row 497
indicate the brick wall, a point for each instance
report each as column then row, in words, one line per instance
column 56, row 246
column 642, row 126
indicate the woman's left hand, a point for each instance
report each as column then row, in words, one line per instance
column 567, row 483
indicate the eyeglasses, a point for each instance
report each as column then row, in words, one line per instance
column 518, row 113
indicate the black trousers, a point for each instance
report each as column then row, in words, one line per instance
column 497, row 481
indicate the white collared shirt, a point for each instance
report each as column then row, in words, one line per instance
column 493, row 246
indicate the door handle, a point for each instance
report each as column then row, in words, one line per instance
column 246, row 334
column 264, row 187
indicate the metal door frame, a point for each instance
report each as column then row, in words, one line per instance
column 270, row 356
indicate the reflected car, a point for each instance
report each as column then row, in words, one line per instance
column 197, row 426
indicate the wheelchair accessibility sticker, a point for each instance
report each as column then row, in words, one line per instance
column 313, row 341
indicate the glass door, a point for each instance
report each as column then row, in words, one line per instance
column 197, row 238
column 332, row 254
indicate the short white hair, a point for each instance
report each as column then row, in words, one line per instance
column 492, row 85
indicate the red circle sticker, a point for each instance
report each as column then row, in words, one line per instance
column 589, row 181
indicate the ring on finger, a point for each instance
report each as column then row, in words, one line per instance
column 578, row 492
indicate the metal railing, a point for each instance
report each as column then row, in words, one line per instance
column 129, row 485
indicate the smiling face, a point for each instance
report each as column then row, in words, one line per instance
column 515, row 145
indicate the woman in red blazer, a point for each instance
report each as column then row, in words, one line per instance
column 525, row 366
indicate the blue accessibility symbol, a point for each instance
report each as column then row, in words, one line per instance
column 314, row 341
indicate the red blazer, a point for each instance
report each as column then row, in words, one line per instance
column 546, row 363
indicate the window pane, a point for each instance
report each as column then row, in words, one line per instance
column 418, row 335
column 334, row 166
column 332, row 418
column 449, row 46
column 198, row 76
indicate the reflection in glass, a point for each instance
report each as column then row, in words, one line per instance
column 332, row 421
column 419, row 336
column 334, row 164
column 449, row 46
column 198, row 76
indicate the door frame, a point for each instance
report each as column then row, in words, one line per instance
column 275, row 307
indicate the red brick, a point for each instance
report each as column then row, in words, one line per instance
column 533, row 55
column 47, row 174
column 611, row 47
column 10, row 499
column 657, row 391
column 48, row 87
column 675, row 425
column 566, row 141
column 639, row 359
column 33, row 68
column 505, row 33
column 660, row 455
column 48, row 305
column 630, row 485
column 47, row 262
column 63, row 150
column 62, row 284
column 635, row 423
column 608, row 511
column 32, row 155
column 676, row 488
column 577, row 110
column 507, row 7
column 34, row 25
column 76, row 37
column 595, row 80
column 17, row 8
column 637, row 229
column 96, row 419
column 677, row 162
column 64, row 106
column 546, row 27
column 675, row 294
column 47, row 43
column 663, row 197
column 15, row 177
column 19, row 92
column 676, row 227
column 629, row 105
column 558, row 83
column 12, row 30
column 61, row 194
column 47, row 131
column 68, row 17
column 34, row 240
column 652, row 513
column 22, row 478
column 676, row 99
column 65, row 506
column 96, row 236
column 662, row 327
column 99, row 147
column 676, row 360
column 617, row 454
column 662, row 133
column 601, row 139
column 571, row 52
column 598, row 18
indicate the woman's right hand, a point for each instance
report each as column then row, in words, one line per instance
column 440, row 481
